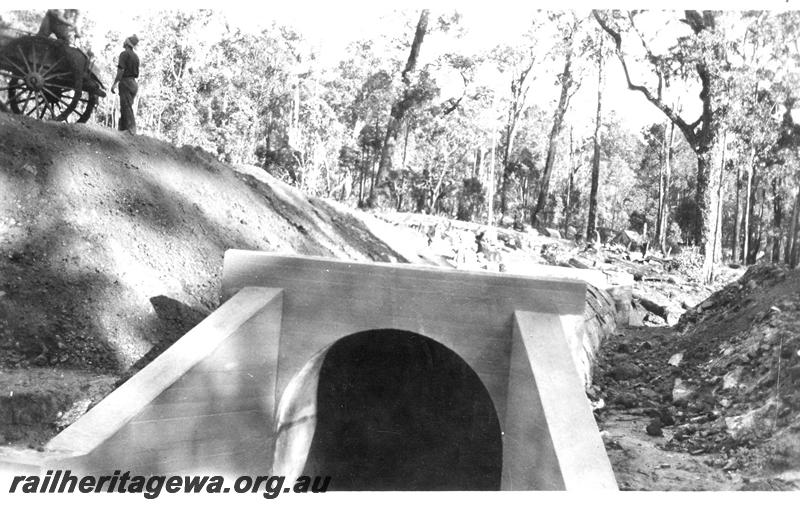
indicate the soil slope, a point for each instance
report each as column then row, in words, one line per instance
column 112, row 244
column 714, row 402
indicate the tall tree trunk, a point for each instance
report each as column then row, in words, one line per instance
column 591, row 222
column 568, row 199
column 748, row 213
column 518, row 95
column 400, row 194
column 436, row 190
column 660, row 206
column 363, row 170
column 750, row 230
column 665, row 213
column 792, row 247
column 523, row 188
column 707, row 137
column 491, row 181
column 718, row 221
column 558, row 121
column 399, row 189
column 405, row 145
column 760, row 225
column 700, row 134
column 268, row 139
column 399, row 109
column 756, row 222
column 736, row 219
column 705, row 217
column 741, row 226
column 777, row 220
column 509, row 136
column 295, row 120
column 373, row 174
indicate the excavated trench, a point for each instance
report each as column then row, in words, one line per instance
column 399, row 411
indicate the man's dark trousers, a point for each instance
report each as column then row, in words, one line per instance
column 127, row 91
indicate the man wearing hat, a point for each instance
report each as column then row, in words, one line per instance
column 127, row 72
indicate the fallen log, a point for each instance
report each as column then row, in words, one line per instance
column 658, row 305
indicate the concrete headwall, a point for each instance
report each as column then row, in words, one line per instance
column 220, row 398
column 469, row 312
column 475, row 314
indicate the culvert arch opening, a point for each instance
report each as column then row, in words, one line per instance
column 396, row 410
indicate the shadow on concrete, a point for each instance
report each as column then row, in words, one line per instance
column 173, row 320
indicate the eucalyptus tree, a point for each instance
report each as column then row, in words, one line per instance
column 696, row 55
column 408, row 99
column 515, row 62
column 770, row 57
column 568, row 24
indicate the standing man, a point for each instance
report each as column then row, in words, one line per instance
column 127, row 72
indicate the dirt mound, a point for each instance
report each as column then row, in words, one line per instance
column 94, row 224
column 725, row 383
column 749, row 359
column 111, row 245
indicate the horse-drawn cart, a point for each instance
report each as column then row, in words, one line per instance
column 44, row 78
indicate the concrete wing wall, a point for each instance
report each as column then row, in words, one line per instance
column 205, row 404
column 552, row 437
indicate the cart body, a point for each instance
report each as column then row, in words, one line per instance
column 42, row 77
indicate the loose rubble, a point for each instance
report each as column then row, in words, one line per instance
column 726, row 377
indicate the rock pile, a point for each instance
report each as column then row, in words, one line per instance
column 726, row 380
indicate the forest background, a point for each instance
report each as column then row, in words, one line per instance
column 678, row 125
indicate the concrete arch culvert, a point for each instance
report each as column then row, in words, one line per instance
column 390, row 409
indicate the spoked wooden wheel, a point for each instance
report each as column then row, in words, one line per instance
column 41, row 81
column 84, row 108
column 68, row 106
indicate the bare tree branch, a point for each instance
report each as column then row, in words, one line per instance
column 686, row 129
column 576, row 85
column 654, row 60
column 453, row 103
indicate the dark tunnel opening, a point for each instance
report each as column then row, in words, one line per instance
column 399, row 411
